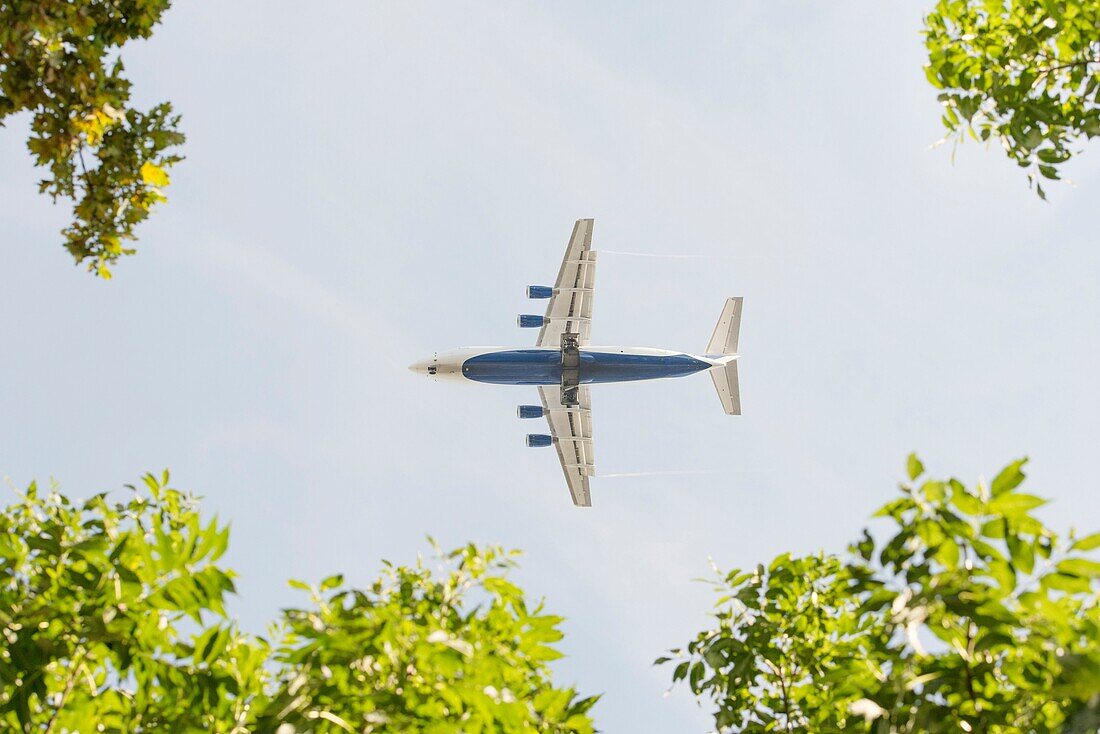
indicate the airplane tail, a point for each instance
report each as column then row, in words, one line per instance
column 723, row 348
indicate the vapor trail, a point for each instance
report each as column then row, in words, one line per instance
column 651, row 254
column 673, row 472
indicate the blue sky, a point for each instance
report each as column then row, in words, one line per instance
column 366, row 183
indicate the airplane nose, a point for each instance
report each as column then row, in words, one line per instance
column 423, row 367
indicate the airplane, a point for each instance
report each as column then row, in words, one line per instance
column 563, row 364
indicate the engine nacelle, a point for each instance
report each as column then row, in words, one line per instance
column 530, row 411
column 539, row 291
column 530, row 321
column 536, row 440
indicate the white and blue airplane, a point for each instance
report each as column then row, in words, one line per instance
column 563, row 364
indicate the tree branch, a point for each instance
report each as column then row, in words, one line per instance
column 966, row 661
column 87, row 180
column 74, row 668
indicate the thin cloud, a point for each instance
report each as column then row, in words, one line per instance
column 271, row 274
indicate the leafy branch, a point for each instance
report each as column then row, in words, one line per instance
column 1015, row 611
column 1019, row 73
column 59, row 62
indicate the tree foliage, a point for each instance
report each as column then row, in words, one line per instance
column 59, row 60
column 418, row 651
column 970, row 616
column 98, row 603
column 1023, row 72
column 788, row 636
column 113, row 619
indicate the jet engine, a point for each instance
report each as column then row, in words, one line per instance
column 530, row 321
column 539, row 291
column 535, row 440
column 530, row 411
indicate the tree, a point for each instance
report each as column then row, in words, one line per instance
column 789, row 640
column 113, row 616
column 59, row 60
column 1023, row 72
column 971, row 616
column 94, row 598
column 424, row 652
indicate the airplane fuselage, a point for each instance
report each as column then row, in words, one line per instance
column 543, row 366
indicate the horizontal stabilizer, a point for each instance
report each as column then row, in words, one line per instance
column 725, row 382
column 724, row 339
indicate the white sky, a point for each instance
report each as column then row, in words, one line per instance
column 367, row 183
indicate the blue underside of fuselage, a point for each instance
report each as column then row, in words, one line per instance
column 543, row 367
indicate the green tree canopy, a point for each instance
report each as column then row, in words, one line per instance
column 113, row 619
column 1025, row 73
column 59, row 60
column 457, row 650
column 969, row 616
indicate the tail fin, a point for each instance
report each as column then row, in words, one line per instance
column 723, row 343
column 724, row 339
column 725, row 382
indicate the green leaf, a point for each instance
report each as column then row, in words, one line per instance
column 1080, row 567
column 995, row 529
column 994, row 640
column 221, row 543
column 214, row 645
column 164, row 548
column 1022, row 553
column 1004, row 574
column 934, row 491
column 1089, row 542
column 1009, row 478
column 1015, row 505
column 930, row 75
column 967, row 503
column 696, row 676
column 914, row 466
column 1063, row 582
column 948, row 553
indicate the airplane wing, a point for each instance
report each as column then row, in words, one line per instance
column 570, row 308
column 572, row 432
